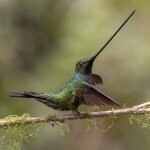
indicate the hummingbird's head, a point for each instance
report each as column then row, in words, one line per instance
column 84, row 66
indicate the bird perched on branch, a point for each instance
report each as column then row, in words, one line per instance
column 79, row 90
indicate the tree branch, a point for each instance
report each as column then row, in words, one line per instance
column 135, row 110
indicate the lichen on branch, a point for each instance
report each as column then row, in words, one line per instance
column 23, row 120
column 18, row 129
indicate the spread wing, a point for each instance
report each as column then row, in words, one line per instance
column 92, row 96
column 96, row 79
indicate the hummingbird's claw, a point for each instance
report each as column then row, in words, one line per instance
column 80, row 113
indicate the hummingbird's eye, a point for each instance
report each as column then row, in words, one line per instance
column 81, row 64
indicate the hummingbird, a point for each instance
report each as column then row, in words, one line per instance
column 80, row 89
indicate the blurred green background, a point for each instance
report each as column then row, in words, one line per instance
column 40, row 43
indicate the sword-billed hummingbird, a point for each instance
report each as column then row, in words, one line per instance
column 79, row 90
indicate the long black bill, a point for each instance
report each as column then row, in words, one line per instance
column 93, row 58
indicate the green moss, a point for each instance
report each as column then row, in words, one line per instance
column 141, row 120
column 109, row 126
column 63, row 128
column 93, row 109
column 14, row 136
column 99, row 124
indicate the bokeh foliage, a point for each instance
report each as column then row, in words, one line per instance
column 40, row 42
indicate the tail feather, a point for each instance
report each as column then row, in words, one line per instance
column 27, row 95
column 37, row 96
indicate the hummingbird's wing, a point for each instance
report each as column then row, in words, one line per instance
column 93, row 96
column 96, row 79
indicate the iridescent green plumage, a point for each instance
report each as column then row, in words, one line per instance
column 73, row 94
column 79, row 90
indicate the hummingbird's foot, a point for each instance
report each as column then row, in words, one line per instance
column 80, row 113
column 77, row 113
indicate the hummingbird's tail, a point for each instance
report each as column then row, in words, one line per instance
column 41, row 97
column 27, row 95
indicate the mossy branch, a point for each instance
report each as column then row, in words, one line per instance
column 135, row 110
